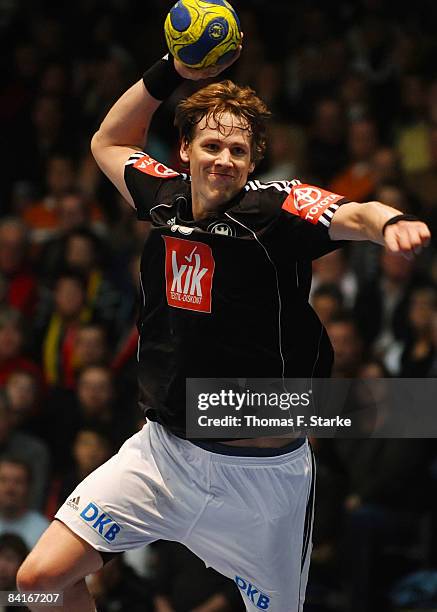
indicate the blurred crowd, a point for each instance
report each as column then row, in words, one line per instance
column 353, row 90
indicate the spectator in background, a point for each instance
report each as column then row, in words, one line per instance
column 377, row 512
column 285, row 153
column 59, row 329
column 92, row 446
column 96, row 403
column 12, row 350
column 334, row 269
column 348, row 346
column 365, row 256
column 84, row 252
column 356, row 181
column 74, row 211
column 411, row 134
column 43, row 131
column 327, row 301
column 116, row 586
column 395, row 195
column 29, row 449
column 42, row 216
column 355, row 96
column 91, row 346
column 387, row 168
column 327, row 142
column 13, row 551
column 15, row 514
column 24, row 392
column 419, row 352
column 388, row 294
column 183, row 583
column 423, row 183
column 15, row 266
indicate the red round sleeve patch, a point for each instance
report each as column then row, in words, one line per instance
column 148, row 165
column 310, row 203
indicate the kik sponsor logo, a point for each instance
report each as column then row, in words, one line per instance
column 189, row 270
column 257, row 597
column 100, row 521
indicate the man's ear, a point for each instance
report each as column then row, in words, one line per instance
column 251, row 167
column 184, row 152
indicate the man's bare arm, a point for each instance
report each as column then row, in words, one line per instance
column 122, row 132
column 355, row 221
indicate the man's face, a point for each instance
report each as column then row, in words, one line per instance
column 95, row 390
column 219, row 157
column 14, row 488
column 12, row 248
column 346, row 344
column 69, row 297
column 90, row 450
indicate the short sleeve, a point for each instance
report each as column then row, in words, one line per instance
column 147, row 180
column 307, row 212
column 312, row 204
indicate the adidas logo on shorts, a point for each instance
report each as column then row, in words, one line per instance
column 74, row 503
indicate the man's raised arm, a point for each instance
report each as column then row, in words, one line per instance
column 124, row 129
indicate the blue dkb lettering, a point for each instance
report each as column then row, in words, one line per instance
column 242, row 584
column 251, row 591
column 100, row 523
column 94, row 509
column 263, row 602
column 112, row 532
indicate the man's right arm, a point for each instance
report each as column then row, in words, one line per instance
column 124, row 129
column 123, row 132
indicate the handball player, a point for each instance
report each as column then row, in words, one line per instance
column 225, row 278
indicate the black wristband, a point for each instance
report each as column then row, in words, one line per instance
column 396, row 219
column 162, row 78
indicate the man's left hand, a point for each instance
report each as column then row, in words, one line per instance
column 407, row 238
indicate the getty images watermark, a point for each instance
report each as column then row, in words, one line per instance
column 240, row 408
column 285, row 401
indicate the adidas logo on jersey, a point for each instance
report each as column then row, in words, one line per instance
column 74, row 503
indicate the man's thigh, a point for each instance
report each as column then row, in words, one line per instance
column 256, row 529
column 143, row 493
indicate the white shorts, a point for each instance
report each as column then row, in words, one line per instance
column 250, row 518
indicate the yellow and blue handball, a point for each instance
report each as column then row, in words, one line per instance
column 201, row 34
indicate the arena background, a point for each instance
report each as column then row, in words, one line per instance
column 353, row 90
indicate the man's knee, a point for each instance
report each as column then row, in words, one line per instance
column 35, row 575
column 59, row 560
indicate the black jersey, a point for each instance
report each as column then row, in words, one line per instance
column 226, row 296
